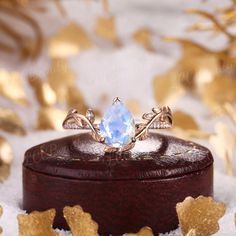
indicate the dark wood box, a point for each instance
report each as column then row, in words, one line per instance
column 122, row 191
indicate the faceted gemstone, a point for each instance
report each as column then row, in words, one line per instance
column 117, row 125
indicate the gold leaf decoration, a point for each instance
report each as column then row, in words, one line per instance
column 5, row 171
column 11, row 87
column 80, row 222
column 1, row 212
column 192, row 232
column 195, row 73
column 11, row 122
column 61, row 77
column 43, row 91
column 235, row 219
column 186, row 127
column 26, row 45
column 201, row 214
column 220, row 91
column 6, row 153
column 224, row 142
column 76, row 100
column 145, row 231
column 184, row 121
column 69, row 41
column 106, row 29
column 143, row 37
column 230, row 111
column 6, row 157
column 37, row 223
column 167, row 89
column 50, row 118
column 134, row 106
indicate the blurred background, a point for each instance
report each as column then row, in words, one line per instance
column 61, row 54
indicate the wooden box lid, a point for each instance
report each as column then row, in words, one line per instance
column 80, row 157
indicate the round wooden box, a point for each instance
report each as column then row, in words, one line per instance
column 122, row 191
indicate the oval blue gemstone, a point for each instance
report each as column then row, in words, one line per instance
column 117, row 125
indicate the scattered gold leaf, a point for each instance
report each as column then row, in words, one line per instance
column 61, row 77
column 190, row 134
column 106, row 29
column 76, row 100
column 134, row 106
column 145, row 231
column 11, row 87
column 106, row 6
column 69, row 41
column 60, row 7
column 43, row 91
column 167, row 89
column 220, row 91
column 143, row 37
column 192, row 232
column 11, row 122
column 201, row 214
column 235, row 219
column 213, row 19
column 5, row 171
column 224, row 142
column 37, row 223
column 80, row 222
column 184, row 121
column 50, row 118
column 27, row 45
column 186, row 127
column 230, row 111
column 1, row 212
column 196, row 67
column 6, row 153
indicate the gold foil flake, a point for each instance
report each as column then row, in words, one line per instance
column 185, row 126
column 216, row 24
column 50, row 118
column 143, row 37
column 6, row 154
column 69, row 41
column 75, row 100
column 201, row 214
column 235, row 220
column 11, row 122
column 134, row 106
column 106, row 29
column 230, row 111
column 184, row 121
column 192, row 232
column 37, row 223
column 145, row 231
column 167, row 88
column 43, row 91
column 224, row 142
column 11, row 87
column 220, row 91
column 1, row 212
column 61, row 77
column 106, row 6
column 190, row 134
column 196, row 67
column 60, row 7
column 16, row 39
column 80, row 222
column 5, row 171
